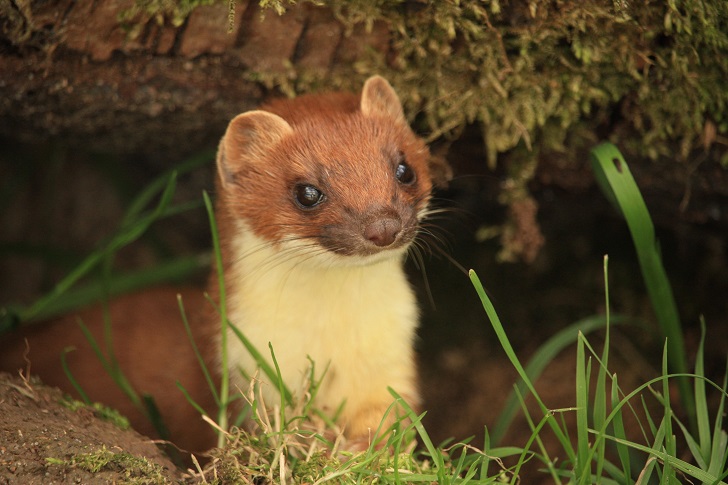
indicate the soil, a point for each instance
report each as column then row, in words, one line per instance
column 37, row 425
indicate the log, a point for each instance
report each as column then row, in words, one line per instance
column 72, row 70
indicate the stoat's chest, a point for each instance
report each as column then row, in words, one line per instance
column 339, row 315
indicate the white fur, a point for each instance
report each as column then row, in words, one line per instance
column 355, row 315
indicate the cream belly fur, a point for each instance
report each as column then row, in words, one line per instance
column 355, row 316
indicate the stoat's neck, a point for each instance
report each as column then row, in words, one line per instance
column 312, row 309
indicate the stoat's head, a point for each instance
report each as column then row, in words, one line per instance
column 331, row 176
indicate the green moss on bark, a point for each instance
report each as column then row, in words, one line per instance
column 532, row 72
column 536, row 73
column 544, row 76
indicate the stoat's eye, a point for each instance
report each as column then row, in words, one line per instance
column 307, row 196
column 404, row 173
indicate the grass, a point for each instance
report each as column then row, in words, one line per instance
column 138, row 219
column 306, row 449
column 293, row 443
column 587, row 460
column 277, row 454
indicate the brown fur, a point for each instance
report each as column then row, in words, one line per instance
column 151, row 347
column 320, row 150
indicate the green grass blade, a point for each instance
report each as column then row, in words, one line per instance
column 282, row 391
column 261, row 362
column 133, row 225
column 506, row 345
column 146, row 404
column 582, row 465
column 614, row 177
column 526, row 453
column 460, row 465
column 485, row 464
column 693, row 446
column 196, row 350
column 315, row 385
column 155, row 416
column 658, row 445
column 663, row 438
column 107, row 330
column 132, row 230
column 61, row 288
column 190, row 399
column 670, row 445
column 222, row 419
column 176, row 270
column 673, row 462
column 619, row 430
column 600, row 393
column 115, row 373
column 538, row 362
column 144, row 198
column 424, row 436
column 719, row 446
column 124, row 236
column 701, row 404
column 648, row 417
column 71, row 378
column 617, row 475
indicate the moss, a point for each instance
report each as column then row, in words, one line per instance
column 106, row 413
column 543, row 76
column 136, row 470
column 542, row 70
column 175, row 11
column 17, row 20
column 531, row 72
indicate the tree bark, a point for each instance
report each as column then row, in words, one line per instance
column 72, row 70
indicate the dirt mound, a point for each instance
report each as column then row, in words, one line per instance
column 43, row 439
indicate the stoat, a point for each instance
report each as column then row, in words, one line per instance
column 318, row 201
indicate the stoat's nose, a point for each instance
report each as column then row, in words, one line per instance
column 383, row 231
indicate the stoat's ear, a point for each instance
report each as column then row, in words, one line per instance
column 248, row 137
column 379, row 99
